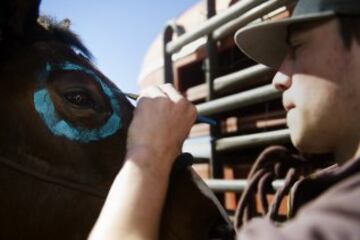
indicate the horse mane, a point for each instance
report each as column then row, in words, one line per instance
column 61, row 32
column 45, row 29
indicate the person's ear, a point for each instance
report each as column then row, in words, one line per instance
column 18, row 16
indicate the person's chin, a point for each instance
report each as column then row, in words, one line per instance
column 306, row 143
column 298, row 131
column 299, row 145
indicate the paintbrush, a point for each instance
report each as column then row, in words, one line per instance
column 199, row 118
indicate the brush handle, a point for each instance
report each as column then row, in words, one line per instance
column 199, row 118
column 207, row 120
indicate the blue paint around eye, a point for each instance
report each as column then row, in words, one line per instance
column 59, row 127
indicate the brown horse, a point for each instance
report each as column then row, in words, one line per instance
column 63, row 132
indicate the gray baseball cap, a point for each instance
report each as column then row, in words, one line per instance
column 266, row 42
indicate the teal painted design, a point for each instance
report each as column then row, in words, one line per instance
column 59, row 127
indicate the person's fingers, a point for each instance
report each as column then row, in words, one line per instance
column 171, row 92
column 176, row 97
column 152, row 92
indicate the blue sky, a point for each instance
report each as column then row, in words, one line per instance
column 118, row 33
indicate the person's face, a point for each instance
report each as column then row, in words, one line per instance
column 321, row 89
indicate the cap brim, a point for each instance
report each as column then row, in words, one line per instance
column 266, row 42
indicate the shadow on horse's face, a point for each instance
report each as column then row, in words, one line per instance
column 63, row 140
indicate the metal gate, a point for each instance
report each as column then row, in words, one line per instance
column 233, row 89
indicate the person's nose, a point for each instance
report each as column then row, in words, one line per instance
column 282, row 80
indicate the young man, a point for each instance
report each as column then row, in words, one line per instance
column 317, row 53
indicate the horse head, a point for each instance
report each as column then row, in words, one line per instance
column 63, row 139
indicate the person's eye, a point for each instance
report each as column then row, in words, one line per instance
column 80, row 98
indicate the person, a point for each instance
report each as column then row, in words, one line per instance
column 317, row 54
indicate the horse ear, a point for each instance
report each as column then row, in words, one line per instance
column 18, row 16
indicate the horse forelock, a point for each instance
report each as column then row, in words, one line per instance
column 47, row 29
column 61, row 32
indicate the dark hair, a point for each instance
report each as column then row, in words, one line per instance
column 349, row 29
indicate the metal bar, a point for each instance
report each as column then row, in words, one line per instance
column 210, row 63
column 168, row 66
column 210, row 68
column 209, row 26
column 242, row 77
column 242, row 99
column 254, row 75
column 237, row 186
column 253, row 140
column 249, row 16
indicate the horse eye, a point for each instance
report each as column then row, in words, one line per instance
column 80, row 99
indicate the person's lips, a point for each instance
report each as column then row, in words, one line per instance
column 288, row 105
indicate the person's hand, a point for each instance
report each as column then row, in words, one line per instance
column 161, row 123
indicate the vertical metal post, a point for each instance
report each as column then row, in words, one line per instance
column 170, row 29
column 210, row 61
column 168, row 66
column 216, row 169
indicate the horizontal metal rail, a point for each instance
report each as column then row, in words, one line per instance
column 257, row 74
column 249, row 16
column 213, row 23
column 242, row 99
column 242, row 77
column 253, row 140
column 237, row 186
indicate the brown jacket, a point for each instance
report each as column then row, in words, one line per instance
column 331, row 209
